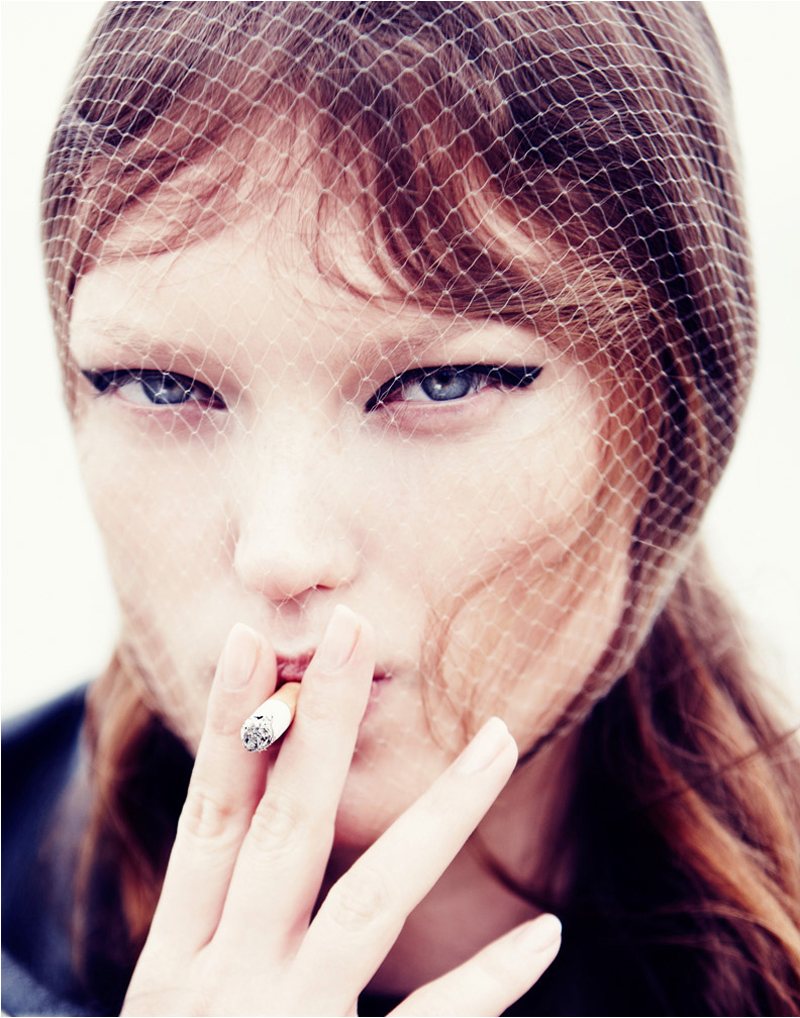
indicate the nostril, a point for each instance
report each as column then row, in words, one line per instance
column 288, row 569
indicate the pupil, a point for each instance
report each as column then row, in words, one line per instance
column 446, row 385
column 164, row 390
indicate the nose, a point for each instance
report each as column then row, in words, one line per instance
column 295, row 515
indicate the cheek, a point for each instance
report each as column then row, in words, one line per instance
column 466, row 510
column 164, row 531
column 524, row 645
column 536, row 586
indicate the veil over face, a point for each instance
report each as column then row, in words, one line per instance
column 261, row 443
column 439, row 311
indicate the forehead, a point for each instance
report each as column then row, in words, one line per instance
column 256, row 277
column 275, row 189
column 345, row 207
column 252, row 296
column 227, row 237
column 215, row 255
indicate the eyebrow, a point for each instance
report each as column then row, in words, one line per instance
column 131, row 343
column 135, row 343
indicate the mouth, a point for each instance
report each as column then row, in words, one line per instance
column 292, row 669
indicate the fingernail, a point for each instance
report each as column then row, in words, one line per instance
column 539, row 935
column 239, row 657
column 487, row 745
column 339, row 640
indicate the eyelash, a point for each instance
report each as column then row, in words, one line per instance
column 493, row 375
column 482, row 376
column 103, row 381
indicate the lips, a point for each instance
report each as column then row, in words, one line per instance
column 292, row 669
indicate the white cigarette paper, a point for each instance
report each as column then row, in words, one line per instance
column 268, row 722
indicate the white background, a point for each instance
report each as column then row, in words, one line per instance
column 59, row 617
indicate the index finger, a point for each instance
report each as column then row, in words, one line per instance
column 225, row 787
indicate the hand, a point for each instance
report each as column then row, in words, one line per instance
column 232, row 933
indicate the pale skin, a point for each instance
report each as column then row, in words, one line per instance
column 262, row 522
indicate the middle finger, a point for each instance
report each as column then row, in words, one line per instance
column 283, row 858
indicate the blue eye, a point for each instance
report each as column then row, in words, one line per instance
column 449, row 383
column 155, row 388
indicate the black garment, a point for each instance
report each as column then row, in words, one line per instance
column 46, row 800
column 604, row 967
column 41, row 756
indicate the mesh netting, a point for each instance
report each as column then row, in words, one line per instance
column 440, row 311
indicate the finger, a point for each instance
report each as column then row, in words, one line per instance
column 225, row 787
column 365, row 910
column 493, row 979
column 283, row 857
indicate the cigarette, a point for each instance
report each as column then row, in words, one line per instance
column 268, row 722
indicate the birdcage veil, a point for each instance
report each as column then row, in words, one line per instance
column 561, row 174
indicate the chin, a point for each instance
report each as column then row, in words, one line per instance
column 370, row 804
column 356, row 830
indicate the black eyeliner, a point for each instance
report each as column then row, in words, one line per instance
column 511, row 378
column 102, row 381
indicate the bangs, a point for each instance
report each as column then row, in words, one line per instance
column 410, row 142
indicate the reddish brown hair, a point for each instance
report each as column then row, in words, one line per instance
column 604, row 128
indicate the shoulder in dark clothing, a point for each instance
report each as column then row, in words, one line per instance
column 41, row 757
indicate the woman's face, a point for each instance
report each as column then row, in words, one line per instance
column 260, row 444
